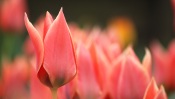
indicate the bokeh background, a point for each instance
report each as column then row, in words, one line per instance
column 151, row 19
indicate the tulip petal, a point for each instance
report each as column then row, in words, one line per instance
column 44, row 77
column 147, row 61
column 160, row 63
column 132, row 78
column 101, row 66
column 161, row 94
column 87, row 82
column 129, row 51
column 151, row 90
column 114, row 78
column 48, row 21
column 59, row 59
column 37, row 41
column 38, row 90
column 138, row 80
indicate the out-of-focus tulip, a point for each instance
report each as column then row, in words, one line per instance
column 129, row 78
column 164, row 64
column 11, row 15
column 102, row 67
column 56, row 63
column 86, row 81
column 15, row 79
column 28, row 48
column 152, row 91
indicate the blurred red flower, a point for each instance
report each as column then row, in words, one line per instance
column 164, row 64
column 11, row 15
column 152, row 91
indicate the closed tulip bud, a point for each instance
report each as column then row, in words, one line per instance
column 56, row 64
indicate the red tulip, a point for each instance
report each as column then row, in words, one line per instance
column 129, row 78
column 152, row 91
column 56, row 63
column 164, row 64
column 11, row 14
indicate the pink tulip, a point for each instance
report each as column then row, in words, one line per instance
column 129, row 78
column 164, row 64
column 101, row 66
column 15, row 79
column 11, row 14
column 85, row 83
column 152, row 91
column 56, row 63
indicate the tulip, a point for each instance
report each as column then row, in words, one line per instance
column 56, row 64
column 163, row 59
column 129, row 78
column 101, row 66
column 152, row 91
column 11, row 15
column 85, row 83
column 15, row 79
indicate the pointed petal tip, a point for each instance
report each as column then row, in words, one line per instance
column 61, row 11
column 162, row 88
column 25, row 16
column 147, row 51
column 48, row 14
column 26, row 19
column 129, row 49
column 161, row 93
column 153, row 80
column 147, row 59
column 60, row 14
column 48, row 17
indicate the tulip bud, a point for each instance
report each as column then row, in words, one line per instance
column 56, row 64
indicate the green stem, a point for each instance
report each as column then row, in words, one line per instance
column 54, row 93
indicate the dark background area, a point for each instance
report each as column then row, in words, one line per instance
column 153, row 19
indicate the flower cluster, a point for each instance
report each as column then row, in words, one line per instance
column 78, row 64
column 63, row 61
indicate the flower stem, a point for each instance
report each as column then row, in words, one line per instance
column 54, row 93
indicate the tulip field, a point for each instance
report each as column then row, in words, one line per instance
column 52, row 58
